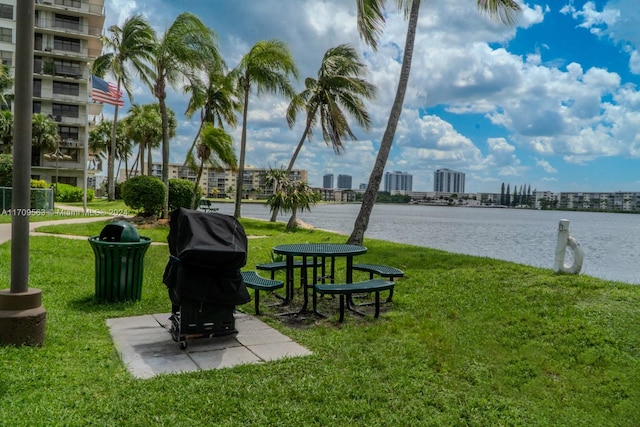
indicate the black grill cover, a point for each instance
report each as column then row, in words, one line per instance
column 209, row 240
column 207, row 252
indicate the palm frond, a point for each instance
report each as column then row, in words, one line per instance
column 504, row 11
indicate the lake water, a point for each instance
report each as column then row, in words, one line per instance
column 611, row 242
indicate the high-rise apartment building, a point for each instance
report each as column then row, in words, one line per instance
column 327, row 181
column 344, row 182
column 398, row 182
column 448, row 181
column 66, row 41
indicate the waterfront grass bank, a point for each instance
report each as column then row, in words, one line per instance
column 467, row 341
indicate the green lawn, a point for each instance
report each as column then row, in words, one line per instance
column 468, row 341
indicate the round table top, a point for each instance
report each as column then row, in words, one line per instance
column 319, row 249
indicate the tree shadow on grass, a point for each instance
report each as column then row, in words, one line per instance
column 89, row 304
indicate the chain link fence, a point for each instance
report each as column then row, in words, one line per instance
column 42, row 199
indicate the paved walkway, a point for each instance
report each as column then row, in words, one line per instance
column 147, row 348
column 5, row 229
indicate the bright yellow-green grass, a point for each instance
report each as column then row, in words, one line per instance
column 467, row 341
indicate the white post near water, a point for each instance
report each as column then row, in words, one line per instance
column 564, row 240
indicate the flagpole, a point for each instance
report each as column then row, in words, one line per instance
column 85, row 186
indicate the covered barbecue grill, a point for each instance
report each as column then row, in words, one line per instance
column 203, row 276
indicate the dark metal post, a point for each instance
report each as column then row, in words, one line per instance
column 22, row 317
column 22, row 147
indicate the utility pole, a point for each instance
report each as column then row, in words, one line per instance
column 22, row 317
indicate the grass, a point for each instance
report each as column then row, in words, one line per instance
column 96, row 207
column 101, row 204
column 468, row 341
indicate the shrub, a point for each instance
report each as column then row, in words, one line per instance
column 41, row 196
column 145, row 193
column 39, row 183
column 181, row 192
column 6, row 170
column 104, row 189
column 117, row 193
column 66, row 193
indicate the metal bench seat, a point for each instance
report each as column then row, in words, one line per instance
column 382, row 271
column 258, row 283
column 347, row 289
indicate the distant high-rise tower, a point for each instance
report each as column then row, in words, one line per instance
column 344, row 182
column 398, row 182
column 448, row 181
column 327, row 181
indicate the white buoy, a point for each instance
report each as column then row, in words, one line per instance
column 566, row 241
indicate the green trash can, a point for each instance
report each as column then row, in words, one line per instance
column 119, row 260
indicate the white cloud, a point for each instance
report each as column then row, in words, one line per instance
column 546, row 166
column 593, row 20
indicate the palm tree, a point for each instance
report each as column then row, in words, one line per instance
column 183, row 51
column 6, row 82
column 44, row 133
column 124, row 149
column 267, row 68
column 276, row 178
column 144, row 126
column 100, row 141
column 216, row 99
column 46, row 139
column 299, row 197
column 6, row 130
column 213, row 141
column 130, row 45
column 290, row 196
column 339, row 87
column 370, row 22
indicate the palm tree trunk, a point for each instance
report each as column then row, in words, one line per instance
column 369, row 198
column 195, row 141
column 292, row 224
column 274, row 214
column 302, row 139
column 195, row 188
column 149, row 159
column 118, row 168
column 243, row 146
column 111, row 183
column 161, row 95
column 141, row 157
column 134, row 166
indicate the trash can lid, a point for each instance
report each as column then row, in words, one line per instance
column 120, row 231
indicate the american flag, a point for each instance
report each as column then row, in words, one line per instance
column 105, row 92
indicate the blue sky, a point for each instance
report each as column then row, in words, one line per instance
column 551, row 102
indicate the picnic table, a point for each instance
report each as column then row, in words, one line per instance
column 207, row 206
column 314, row 251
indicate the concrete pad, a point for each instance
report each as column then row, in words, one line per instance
column 250, row 337
column 147, row 348
column 148, row 367
column 226, row 358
